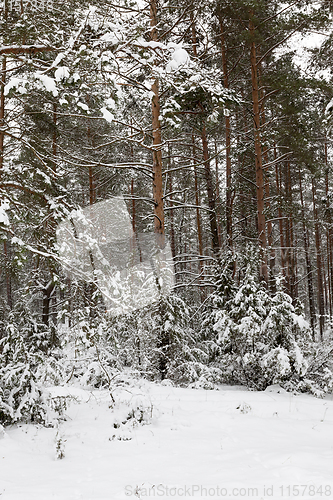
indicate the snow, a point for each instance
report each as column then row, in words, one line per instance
column 17, row 83
column 107, row 115
column 201, row 444
column 110, row 37
column 329, row 107
column 83, row 106
column 111, row 103
column 48, row 83
column 3, row 216
column 300, row 321
column 179, row 59
column 58, row 59
column 61, row 73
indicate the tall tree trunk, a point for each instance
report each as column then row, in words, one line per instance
column 210, row 193
column 319, row 264
column 54, row 137
column 208, row 174
column 260, row 182
column 47, row 292
column 133, row 207
column 92, row 185
column 8, row 276
column 329, row 234
column 228, row 177
column 159, row 229
column 197, row 203
column 269, row 224
column 172, row 223
column 51, row 227
column 217, row 196
column 309, row 269
column 132, row 187
column 278, row 190
column 2, row 110
column 2, row 140
column 157, row 141
column 291, row 252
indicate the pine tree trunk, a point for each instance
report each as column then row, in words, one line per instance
column 309, row 269
column 291, row 257
column 92, row 190
column 217, row 196
column 132, row 188
column 227, row 143
column 51, row 227
column 197, row 203
column 319, row 265
column 2, row 109
column 329, row 235
column 210, row 193
column 163, row 336
column 8, row 277
column 47, row 292
column 157, row 141
column 278, row 191
column 267, row 185
column 92, row 194
column 172, row 224
column 260, row 182
column 54, row 137
column 208, row 174
column 2, row 138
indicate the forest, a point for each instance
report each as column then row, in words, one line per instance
column 166, row 205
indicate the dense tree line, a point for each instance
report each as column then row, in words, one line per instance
column 199, row 118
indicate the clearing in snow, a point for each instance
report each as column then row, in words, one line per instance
column 161, row 441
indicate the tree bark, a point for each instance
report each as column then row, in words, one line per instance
column 157, row 141
column 197, row 203
column 217, row 197
column 278, row 191
column 309, row 269
column 25, row 49
column 2, row 137
column 228, row 175
column 2, row 110
column 321, row 306
column 210, row 193
column 47, row 293
column 172, row 224
column 258, row 153
column 269, row 225
column 329, row 234
column 290, row 255
column 208, row 174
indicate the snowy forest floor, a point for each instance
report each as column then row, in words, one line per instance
column 177, row 443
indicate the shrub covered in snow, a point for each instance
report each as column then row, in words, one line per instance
column 318, row 378
column 159, row 341
column 259, row 335
column 25, row 372
column 176, row 351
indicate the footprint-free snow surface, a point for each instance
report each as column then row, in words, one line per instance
column 166, row 442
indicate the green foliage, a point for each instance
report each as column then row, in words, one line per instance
column 25, row 372
column 175, row 346
column 318, row 378
column 259, row 335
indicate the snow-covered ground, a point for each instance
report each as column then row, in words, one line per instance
column 227, row 444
